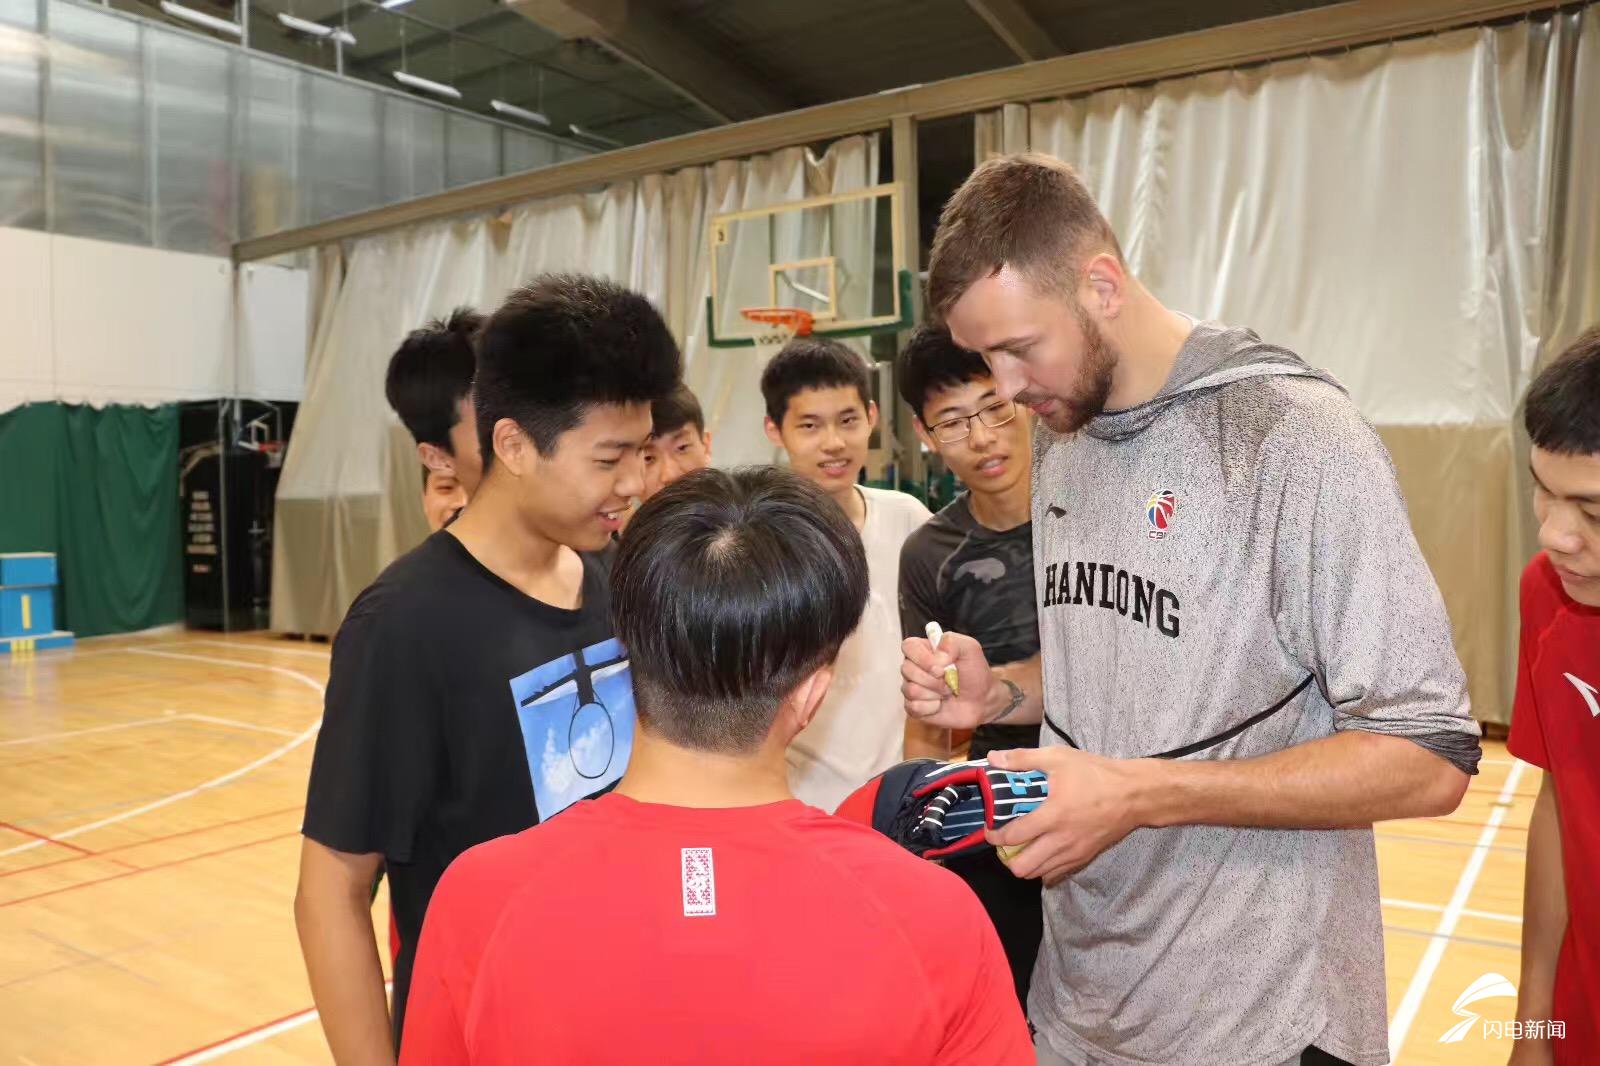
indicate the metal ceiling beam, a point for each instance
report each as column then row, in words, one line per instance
column 657, row 45
column 1314, row 30
column 1019, row 30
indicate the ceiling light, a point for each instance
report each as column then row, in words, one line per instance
column 317, row 29
column 390, row 5
column 513, row 111
column 595, row 137
column 423, row 84
column 200, row 18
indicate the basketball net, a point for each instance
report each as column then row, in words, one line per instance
column 778, row 326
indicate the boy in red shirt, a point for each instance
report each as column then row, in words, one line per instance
column 699, row 913
column 1556, row 720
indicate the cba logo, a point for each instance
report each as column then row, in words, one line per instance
column 1159, row 513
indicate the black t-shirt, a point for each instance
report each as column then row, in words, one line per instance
column 974, row 580
column 460, row 709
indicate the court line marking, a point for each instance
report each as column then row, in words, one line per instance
column 217, row 782
column 231, row 1044
column 137, row 870
column 1411, row 1002
column 81, row 732
column 1455, row 938
column 264, row 1031
column 175, row 717
column 235, row 723
column 1489, row 827
column 269, row 648
column 105, row 853
column 1491, row 916
column 44, row 839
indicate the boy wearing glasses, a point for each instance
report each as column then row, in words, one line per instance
column 820, row 411
column 970, row 568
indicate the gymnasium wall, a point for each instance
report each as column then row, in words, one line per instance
column 348, row 500
column 129, row 129
column 97, row 322
column 103, row 340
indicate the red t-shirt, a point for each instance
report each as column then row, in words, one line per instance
column 631, row 932
column 1556, row 725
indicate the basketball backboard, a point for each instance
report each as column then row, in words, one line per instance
column 838, row 257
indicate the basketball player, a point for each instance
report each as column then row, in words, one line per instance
column 476, row 685
column 700, row 914
column 1555, row 723
column 429, row 385
column 1224, row 569
column 820, row 410
column 970, row 569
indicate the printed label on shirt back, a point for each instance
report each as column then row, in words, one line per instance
column 699, row 883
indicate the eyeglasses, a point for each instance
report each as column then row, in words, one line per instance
column 955, row 429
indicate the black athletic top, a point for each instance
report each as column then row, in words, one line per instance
column 458, row 710
column 977, row 581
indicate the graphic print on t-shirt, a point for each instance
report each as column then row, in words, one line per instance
column 576, row 714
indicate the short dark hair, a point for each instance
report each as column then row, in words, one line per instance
column 563, row 344
column 676, row 409
column 1562, row 412
column 812, row 363
column 728, row 588
column 930, row 361
column 430, row 372
column 1030, row 212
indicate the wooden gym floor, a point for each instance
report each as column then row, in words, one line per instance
column 150, row 797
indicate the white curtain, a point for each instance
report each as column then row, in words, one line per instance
column 727, row 380
column 348, row 500
column 1418, row 217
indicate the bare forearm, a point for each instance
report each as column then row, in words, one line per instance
column 1544, row 908
column 1347, row 780
column 346, row 976
column 1028, row 676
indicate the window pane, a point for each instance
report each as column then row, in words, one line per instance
column 21, row 146
column 269, row 170
column 343, row 154
column 413, row 149
column 474, row 153
column 96, row 126
column 192, row 85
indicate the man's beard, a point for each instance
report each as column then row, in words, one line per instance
column 1088, row 400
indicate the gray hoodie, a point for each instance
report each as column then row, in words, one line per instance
column 1197, row 558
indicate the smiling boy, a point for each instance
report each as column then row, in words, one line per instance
column 820, row 410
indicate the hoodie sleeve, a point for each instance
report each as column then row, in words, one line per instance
column 1355, row 601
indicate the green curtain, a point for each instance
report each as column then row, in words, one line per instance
column 99, row 487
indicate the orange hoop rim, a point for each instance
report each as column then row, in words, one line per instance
column 796, row 320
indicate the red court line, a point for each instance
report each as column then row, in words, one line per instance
column 151, row 840
column 48, row 840
column 147, row 869
column 236, row 1036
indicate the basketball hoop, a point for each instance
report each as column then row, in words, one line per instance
column 782, row 324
